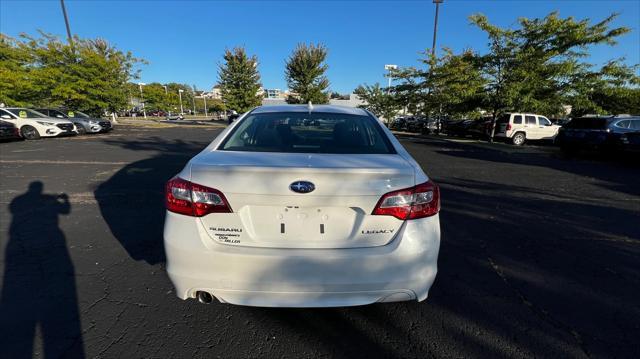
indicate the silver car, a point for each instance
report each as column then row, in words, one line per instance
column 84, row 123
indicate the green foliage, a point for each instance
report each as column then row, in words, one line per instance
column 613, row 89
column 239, row 80
column 537, row 67
column 91, row 76
column 304, row 73
column 378, row 101
column 450, row 84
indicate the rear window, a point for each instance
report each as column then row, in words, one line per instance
column 531, row 120
column 503, row 119
column 587, row 123
column 293, row 132
column 517, row 120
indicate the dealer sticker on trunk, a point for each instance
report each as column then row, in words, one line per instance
column 227, row 234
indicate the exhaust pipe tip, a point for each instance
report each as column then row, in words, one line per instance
column 204, row 297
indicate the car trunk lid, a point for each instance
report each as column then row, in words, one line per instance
column 268, row 213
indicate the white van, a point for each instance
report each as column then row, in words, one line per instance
column 520, row 127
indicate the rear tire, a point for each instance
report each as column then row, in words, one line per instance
column 518, row 139
column 81, row 130
column 29, row 133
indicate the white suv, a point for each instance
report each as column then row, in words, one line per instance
column 519, row 127
column 33, row 124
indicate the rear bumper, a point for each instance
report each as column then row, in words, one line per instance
column 270, row 277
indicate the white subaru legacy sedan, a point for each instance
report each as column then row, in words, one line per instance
column 302, row 206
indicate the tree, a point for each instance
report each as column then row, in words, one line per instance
column 530, row 69
column 304, row 72
column 450, row 85
column 155, row 97
column 91, row 76
column 239, row 80
column 456, row 84
column 16, row 86
column 613, row 89
column 378, row 100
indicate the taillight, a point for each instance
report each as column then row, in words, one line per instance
column 420, row 201
column 508, row 127
column 192, row 199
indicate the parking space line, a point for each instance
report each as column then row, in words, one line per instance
column 43, row 162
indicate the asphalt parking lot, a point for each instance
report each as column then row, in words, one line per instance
column 540, row 257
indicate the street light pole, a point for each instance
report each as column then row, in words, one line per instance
column 204, row 98
column 144, row 111
column 390, row 68
column 66, row 22
column 193, row 102
column 435, row 26
column 180, row 91
column 166, row 94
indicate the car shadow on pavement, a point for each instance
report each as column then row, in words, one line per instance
column 132, row 200
column 38, row 287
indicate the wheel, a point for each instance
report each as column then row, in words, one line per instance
column 518, row 139
column 29, row 132
column 81, row 130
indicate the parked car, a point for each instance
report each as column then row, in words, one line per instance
column 176, row 117
column 158, row 113
column 414, row 123
column 33, row 124
column 457, row 127
column 276, row 213
column 105, row 125
column 480, row 128
column 232, row 117
column 431, row 125
column 84, row 123
column 398, row 124
column 560, row 121
column 599, row 133
column 9, row 131
column 630, row 142
column 521, row 127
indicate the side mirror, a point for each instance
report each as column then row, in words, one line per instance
column 6, row 117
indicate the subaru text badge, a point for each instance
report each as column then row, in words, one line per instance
column 302, row 187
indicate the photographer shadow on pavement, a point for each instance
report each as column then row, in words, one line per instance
column 38, row 287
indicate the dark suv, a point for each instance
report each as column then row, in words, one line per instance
column 599, row 133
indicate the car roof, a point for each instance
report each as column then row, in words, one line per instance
column 315, row 108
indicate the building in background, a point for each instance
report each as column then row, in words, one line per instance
column 216, row 93
column 352, row 101
column 272, row 93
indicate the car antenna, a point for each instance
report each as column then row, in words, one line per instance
column 310, row 106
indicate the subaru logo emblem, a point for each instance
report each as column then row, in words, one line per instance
column 302, row 186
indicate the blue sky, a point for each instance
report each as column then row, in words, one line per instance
column 184, row 40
